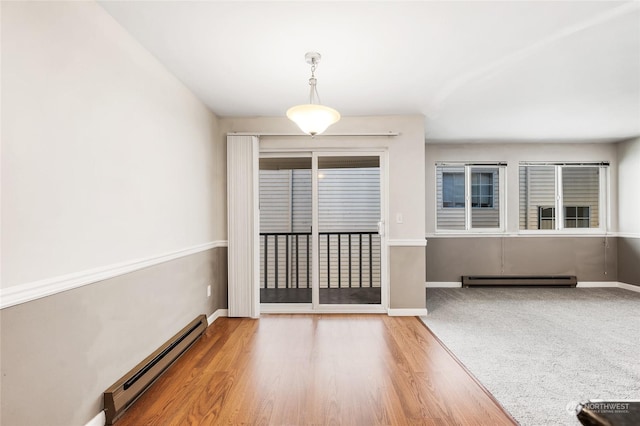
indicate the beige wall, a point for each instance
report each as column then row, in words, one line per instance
column 407, row 292
column 588, row 258
column 107, row 159
column 629, row 211
column 628, row 260
column 405, row 175
column 628, row 153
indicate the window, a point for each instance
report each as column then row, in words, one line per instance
column 574, row 190
column 468, row 197
column 546, row 218
column 482, row 190
column 577, row 217
column 574, row 217
column 452, row 190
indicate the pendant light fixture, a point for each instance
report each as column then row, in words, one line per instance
column 313, row 118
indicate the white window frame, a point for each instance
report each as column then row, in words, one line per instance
column 467, row 198
column 603, row 200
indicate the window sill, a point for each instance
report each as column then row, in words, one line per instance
column 463, row 233
column 532, row 234
column 568, row 233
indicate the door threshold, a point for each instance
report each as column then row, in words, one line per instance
column 304, row 308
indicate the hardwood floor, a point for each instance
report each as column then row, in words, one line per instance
column 317, row 370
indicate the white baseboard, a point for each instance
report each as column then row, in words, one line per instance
column 597, row 284
column 217, row 314
column 419, row 312
column 27, row 292
column 608, row 284
column 99, row 420
column 443, row 284
column 629, row 287
column 581, row 284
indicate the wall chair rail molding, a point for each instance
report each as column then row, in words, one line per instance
column 413, row 242
column 27, row 292
column 407, row 312
column 528, row 234
column 324, row 135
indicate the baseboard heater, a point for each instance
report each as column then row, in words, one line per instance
column 519, row 280
column 125, row 391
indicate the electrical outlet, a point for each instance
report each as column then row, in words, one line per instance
column 209, row 290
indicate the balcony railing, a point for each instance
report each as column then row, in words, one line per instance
column 271, row 244
column 347, row 259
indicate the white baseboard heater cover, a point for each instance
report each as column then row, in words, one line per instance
column 125, row 391
column 519, row 280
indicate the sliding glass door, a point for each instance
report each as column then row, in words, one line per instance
column 285, row 230
column 321, row 232
column 348, row 230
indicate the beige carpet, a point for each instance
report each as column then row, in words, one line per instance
column 538, row 349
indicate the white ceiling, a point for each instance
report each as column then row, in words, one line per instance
column 477, row 70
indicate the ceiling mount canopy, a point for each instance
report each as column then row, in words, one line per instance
column 313, row 118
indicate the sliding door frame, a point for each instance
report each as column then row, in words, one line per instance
column 315, row 306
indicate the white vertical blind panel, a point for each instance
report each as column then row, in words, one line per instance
column 242, row 198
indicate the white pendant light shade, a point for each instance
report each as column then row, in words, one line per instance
column 313, row 119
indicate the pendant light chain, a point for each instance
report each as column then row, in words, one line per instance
column 314, row 98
